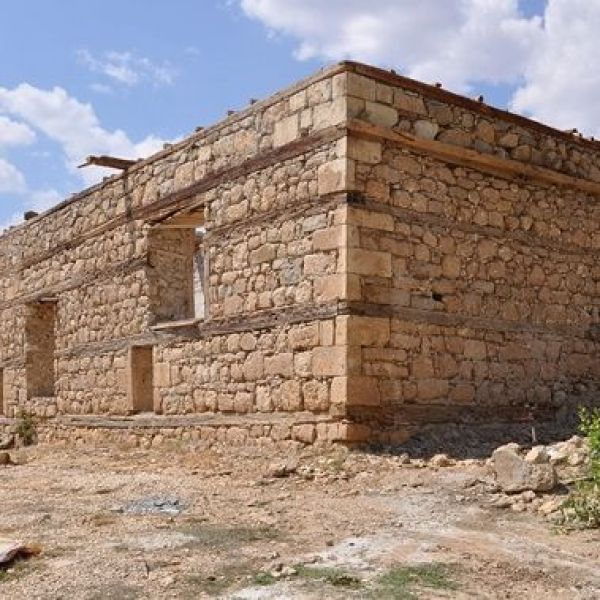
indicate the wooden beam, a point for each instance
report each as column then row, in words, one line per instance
column 111, row 162
column 466, row 157
column 182, row 221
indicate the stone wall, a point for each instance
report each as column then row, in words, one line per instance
column 117, row 278
column 377, row 254
column 484, row 287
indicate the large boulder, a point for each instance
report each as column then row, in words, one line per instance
column 515, row 474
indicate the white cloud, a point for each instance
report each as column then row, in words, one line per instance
column 454, row 41
column 11, row 179
column 13, row 133
column 39, row 201
column 128, row 69
column 74, row 125
column 549, row 58
column 562, row 80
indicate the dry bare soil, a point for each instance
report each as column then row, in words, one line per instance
column 338, row 524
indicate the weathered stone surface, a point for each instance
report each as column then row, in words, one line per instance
column 514, row 474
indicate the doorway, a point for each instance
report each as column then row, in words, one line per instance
column 40, row 347
column 141, row 381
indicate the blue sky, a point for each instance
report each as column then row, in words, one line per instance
column 121, row 77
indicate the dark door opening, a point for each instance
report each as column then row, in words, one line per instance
column 141, row 385
column 40, row 346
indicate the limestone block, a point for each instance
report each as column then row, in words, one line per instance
column 280, row 364
column 409, row 103
column 348, row 432
column 162, row 374
column 362, row 331
column 264, row 399
column 264, row 253
column 370, row 219
column 462, row 393
column 305, row 433
column 330, row 287
column 455, row 137
column 431, row 389
column 319, row 264
column 355, row 390
column 329, row 113
column 369, row 262
column 509, row 140
column 319, row 92
column 253, row 367
column 316, row 396
column 361, row 87
column 291, row 395
column 332, row 176
column 426, row 130
column 329, row 361
column 475, row 350
column 366, row 151
column 485, row 131
column 380, row 114
column 286, row 131
column 305, row 336
column 339, row 85
column 422, row 368
column 330, row 238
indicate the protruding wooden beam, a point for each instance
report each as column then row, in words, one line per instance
column 108, row 161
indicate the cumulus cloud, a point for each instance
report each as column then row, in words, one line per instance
column 562, row 81
column 13, row 133
column 72, row 124
column 128, row 69
column 546, row 60
column 457, row 41
column 11, row 179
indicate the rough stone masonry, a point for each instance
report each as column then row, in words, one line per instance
column 352, row 258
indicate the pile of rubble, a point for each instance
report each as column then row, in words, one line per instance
column 537, row 479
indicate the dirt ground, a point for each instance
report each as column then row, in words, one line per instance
column 331, row 524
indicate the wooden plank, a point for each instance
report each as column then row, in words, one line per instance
column 111, row 162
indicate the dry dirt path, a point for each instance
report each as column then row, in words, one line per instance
column 340, row 525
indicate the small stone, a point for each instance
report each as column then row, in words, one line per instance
column 550, row 506
column 576, row 458
column 528, row 496
column 5, row 458
column 537, row 455
column 426, row 129
column 441, row 460
column 6, row 441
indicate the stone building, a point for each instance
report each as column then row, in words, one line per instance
column 349, row 259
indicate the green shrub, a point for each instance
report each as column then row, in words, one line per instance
column 26, row 429
column 590, row 427
column 582, row 507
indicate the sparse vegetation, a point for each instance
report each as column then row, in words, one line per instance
column 403, row 582
column 26, row 429
column 582, row 508
column 263, row 578
column 330, row 575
